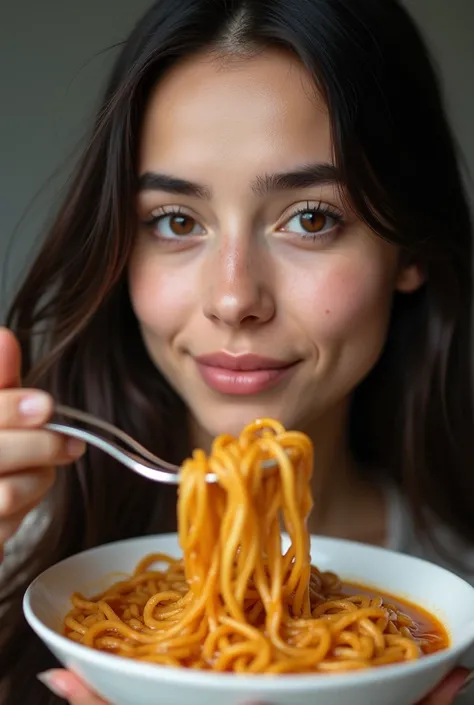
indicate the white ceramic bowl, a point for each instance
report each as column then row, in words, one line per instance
column 125, row 682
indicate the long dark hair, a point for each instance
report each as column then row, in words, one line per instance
column 412, row 416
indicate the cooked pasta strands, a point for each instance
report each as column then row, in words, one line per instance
column 74, row 626
column 341, row 666
column 237, row 601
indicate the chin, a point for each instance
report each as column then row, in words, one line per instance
column 233, row 417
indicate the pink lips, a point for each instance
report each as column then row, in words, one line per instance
column 242, row 374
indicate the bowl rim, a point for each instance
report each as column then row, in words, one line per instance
column 258, row 683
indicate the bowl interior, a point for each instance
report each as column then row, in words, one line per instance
column 437, row 590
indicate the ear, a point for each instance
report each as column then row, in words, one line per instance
column 411, row 277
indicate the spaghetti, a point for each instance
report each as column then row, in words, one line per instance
column 237, row 602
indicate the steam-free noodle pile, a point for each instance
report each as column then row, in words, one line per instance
column 236, row 602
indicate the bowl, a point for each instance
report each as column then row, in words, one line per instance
column 126, row 682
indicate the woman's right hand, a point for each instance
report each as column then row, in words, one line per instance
column 28, row 454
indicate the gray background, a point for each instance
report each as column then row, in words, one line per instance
column 53, row 60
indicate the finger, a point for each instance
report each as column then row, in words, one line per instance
column 18, row 492
column 67, row 685
column 24, row 408
column 10, row 359
column 446, row 693
column 20, row 450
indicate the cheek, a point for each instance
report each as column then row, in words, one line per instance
column 348, row 296
column 160, row 296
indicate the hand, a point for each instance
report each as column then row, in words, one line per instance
column 66, row 685
column 28, row 454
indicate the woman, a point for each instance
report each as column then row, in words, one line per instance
column 268, row 219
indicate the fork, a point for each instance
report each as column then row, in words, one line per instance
column 138, row 459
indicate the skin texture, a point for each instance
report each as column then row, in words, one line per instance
column 240, row 283
column 248, row 277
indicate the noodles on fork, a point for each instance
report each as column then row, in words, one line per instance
column 237, row 602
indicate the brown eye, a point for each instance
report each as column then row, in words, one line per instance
column 181, row 224
column 169, row 226
column 312, row 221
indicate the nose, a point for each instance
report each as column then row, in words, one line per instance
column 238, row 288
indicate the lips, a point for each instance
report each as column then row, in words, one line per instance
column 241, row 375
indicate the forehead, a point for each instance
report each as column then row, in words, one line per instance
column 263, row 111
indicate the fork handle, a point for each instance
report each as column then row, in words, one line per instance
column 131, row 461
column 101, row 425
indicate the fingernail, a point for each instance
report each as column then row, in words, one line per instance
column 54, row 683
column 34, row 405
column 63, row 684
column 75, row 448
column 467, row 684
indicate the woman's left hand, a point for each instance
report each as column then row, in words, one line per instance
column 68, row 686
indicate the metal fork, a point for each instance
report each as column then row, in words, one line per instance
column 138, row 459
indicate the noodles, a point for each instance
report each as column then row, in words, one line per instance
column 236, row 602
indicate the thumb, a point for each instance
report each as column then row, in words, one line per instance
column 10, row 360
column 66, row 685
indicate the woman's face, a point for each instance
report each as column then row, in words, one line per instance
column 258, row 291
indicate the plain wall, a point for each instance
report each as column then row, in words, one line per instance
column 53, row 62
column 55, row 56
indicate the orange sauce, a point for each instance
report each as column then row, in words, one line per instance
column 430, row 632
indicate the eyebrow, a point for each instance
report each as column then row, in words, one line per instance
column 151, row 181
column 305, row 177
